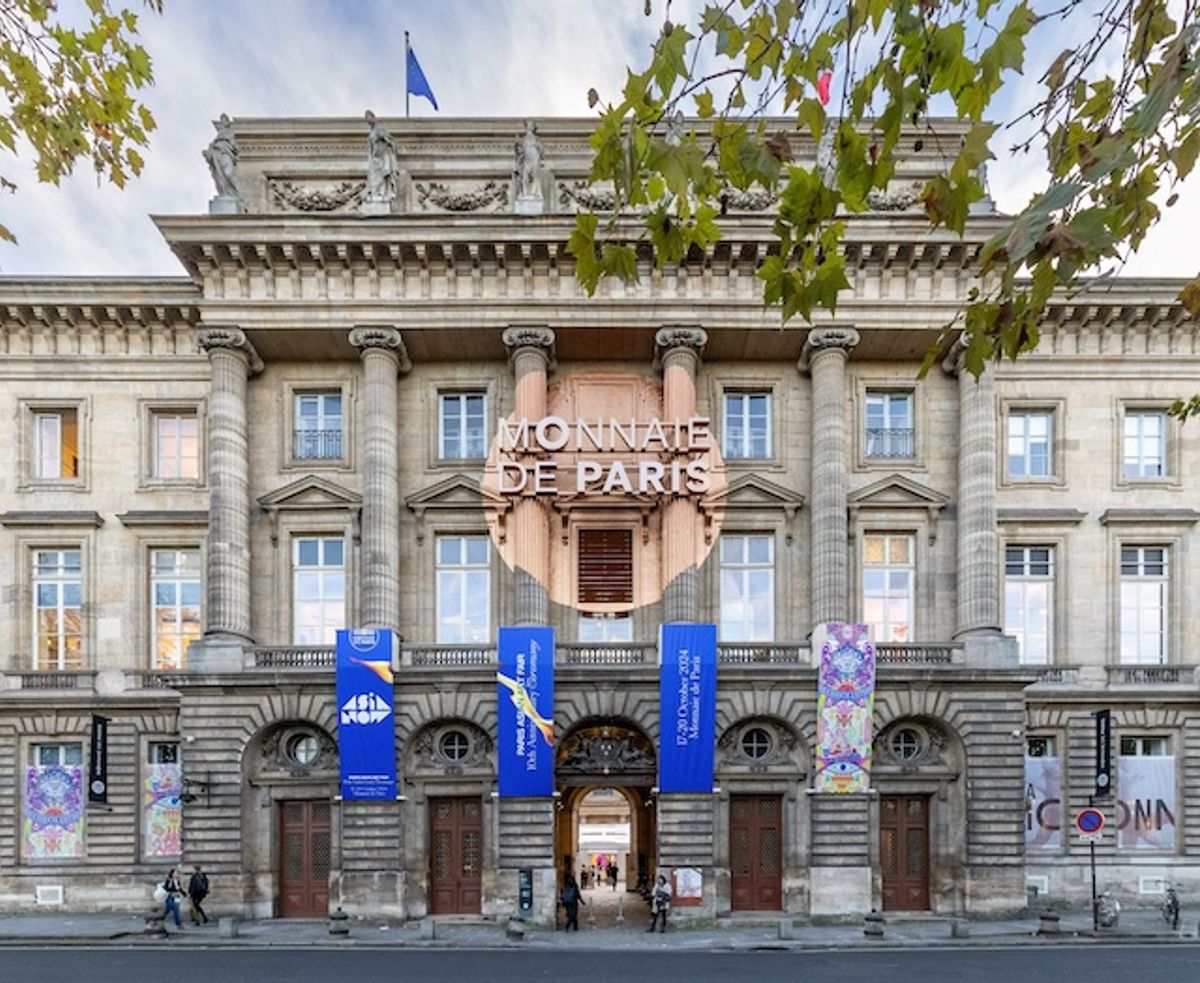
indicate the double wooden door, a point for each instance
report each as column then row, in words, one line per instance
column 756, row 852
column 455, row 856
column 305, row 844
column 904, row 851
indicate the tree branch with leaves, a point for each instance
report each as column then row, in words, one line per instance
column 1113, row 121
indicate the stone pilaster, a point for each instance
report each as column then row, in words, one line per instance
column 826, row 352
column 227, row 608
column 978, row 540
column 531, row 351
column 679, row 351
column 384, row 358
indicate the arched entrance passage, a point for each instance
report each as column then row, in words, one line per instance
column 614, row 755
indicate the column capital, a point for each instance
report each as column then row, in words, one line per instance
column 538, row 338
column 230, row 339
column 827, row 339
column 672, row 336
column 378, row 337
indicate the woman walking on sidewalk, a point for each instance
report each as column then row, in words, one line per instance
column 660, row 904
column 171, row 891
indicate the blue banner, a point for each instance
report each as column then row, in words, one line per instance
column 366, row 727
column 688, row 707
column 525, row 690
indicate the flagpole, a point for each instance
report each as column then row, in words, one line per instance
column 406, row 74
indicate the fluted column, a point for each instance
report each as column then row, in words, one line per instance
column 227, row 601
column 679, row 350
column 978, row 541
column 826, row 352
column 531, row 349
column 384, row 358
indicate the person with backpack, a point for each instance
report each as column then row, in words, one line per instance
column 660, row 904
column 572, row 897
column 197, row 892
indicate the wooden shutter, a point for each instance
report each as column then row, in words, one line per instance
column 605, row 566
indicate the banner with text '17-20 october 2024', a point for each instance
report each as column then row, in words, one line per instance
column 688, row 707
column 366, row 727
column 525, row 694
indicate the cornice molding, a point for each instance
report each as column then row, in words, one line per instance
column 48, row 519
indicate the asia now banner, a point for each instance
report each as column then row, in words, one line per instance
column 366, row 703
column 525, row 694
column 687, row 707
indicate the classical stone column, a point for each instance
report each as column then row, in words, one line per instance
column 826, row 352
column 978, row 540
column 384, row 358
column 531, row 351
column 227, row 608
column 679, row 351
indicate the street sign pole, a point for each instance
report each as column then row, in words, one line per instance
column 1095, row 900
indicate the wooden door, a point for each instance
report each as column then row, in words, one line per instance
column 756, row 852
column 304, row 859
column 455, row 856
column 904, row 851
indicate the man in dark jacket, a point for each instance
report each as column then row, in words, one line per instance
column 197, row 892
column 571, row 899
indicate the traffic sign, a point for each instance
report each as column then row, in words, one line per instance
column 1090, row 823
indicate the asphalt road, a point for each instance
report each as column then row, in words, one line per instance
column 1040, row 964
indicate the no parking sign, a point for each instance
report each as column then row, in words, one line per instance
column 1090, row 824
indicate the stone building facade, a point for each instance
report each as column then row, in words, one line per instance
column 211, row 472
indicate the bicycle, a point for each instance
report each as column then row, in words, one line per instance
column 1170, row 908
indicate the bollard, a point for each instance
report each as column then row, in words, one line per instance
column 1048, row 924
column 620, row 909
column 787, row 929
column 960, row 929
column 426, row 930
column 339, row 923
column 227, row 927
column 515, row 930
column 873, row 925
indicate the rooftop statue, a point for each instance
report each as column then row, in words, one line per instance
column 529, row 162
column 382, row 167
column 222, row 156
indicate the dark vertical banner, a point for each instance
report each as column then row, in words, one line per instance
column 1103, row 752
column 525, row 691
column 98, row 761
column 366, row 700
column 688, row 707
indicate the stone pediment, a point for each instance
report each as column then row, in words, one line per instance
column 897, row 492
column 456, row 492
column 310, row 493
column 751, row 492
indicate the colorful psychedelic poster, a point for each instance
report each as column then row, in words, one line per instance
column 845, row 702
column 525, row 711
column 52, row 823
column 1043, row 802
column 1146, row 802
column 162, row 811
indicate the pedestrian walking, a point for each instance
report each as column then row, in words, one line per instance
column 197, row 892
column 169, row 892
column 660, row 904
column 572, row 898
column 613, row 870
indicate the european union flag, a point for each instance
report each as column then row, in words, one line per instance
column 418, row 85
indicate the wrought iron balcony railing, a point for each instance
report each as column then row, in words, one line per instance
column 317, row 445
column 890, row 442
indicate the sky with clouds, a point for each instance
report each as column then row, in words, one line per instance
column 339, row 57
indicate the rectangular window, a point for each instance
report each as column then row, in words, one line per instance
column 1145, row 444
column 1043, row 794
column 890, row 425
column 462, row 426
column 1144, row 747
column 56, row 444
column 1144, row 579
column 318, row 589
column 599, row 628
column 464, row 590
column 317, row 433
column 162, row 811
column 175, row 601
column 176, row 446
column 1029, row 601
column 52, row 806
column 747, row 426
column 747, row 588
column 1030, row 443
column 1147, row 794
column 889, row 579
column 57, row 610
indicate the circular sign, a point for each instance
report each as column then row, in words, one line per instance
column 98, row 787
column 1089, row 821
column 1102, row 780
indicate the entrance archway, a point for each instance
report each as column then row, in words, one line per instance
column 615, row 756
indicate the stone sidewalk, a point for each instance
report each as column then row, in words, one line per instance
column 1137, row 926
